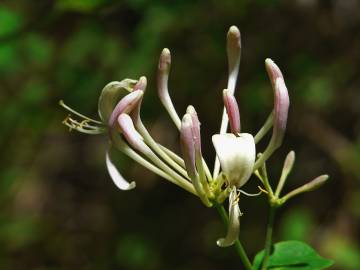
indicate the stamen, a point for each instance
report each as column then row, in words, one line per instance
column 251, row 194
column 82, row 126
column 62, row 104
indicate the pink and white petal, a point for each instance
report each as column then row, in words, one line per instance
column 115, row 175
column 234, row 222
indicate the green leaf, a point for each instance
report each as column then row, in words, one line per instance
column 292, row 255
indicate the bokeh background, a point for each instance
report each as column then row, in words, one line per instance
column 59, row 208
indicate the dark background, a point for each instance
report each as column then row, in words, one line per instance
column 59, row 208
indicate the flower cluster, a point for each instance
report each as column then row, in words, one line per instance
column 119, row 110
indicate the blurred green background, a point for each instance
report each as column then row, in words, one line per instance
column 59, row 208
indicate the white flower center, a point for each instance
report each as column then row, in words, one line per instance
column 236, row 155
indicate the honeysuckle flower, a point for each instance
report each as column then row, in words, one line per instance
column 120, row 113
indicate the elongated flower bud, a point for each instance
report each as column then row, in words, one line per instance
column 187, row 145
column 280, row 112
column 273, row 71
column 125, row 105
column 162, row 84
column 187, row 142
column 281, row 102
column 312, row 185
column 288, row 165
column 135, row 113
column 141, row 84
column 131, row 135
column 165, row 61
column 195, row 128
column 110, row 96
column 233, row 48
column 232, row 110
column 316, row 183
column 199, row 161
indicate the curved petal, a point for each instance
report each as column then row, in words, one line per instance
column 117, row 178
column 125, row 105
column 131, row 135
column 236, row 155
column 111, row 94
column 234, row 221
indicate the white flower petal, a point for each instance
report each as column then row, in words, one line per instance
column 236, row 155
column 234, row 221
column 119, row 181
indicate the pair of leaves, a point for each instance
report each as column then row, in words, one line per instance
column 292, row 255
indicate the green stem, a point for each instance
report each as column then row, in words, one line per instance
column 268, row 241
column 238, row 246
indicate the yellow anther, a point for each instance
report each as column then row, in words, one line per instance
column 83, row 123
column 236, row 201
column 66, row 120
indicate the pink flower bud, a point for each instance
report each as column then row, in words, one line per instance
column 233, row 48
column 162, row 84
column 281, row 102
column 163, row 73
column 135, row 113
column 165, row 61
column 187, row 145
column 131, row 135
column 232, row 110
column 125, row 105
column 195, row 128
column 273, row 71
column 141, row 84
